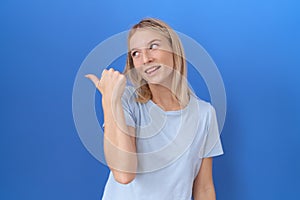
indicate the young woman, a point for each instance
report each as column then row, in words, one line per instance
column 159, row 137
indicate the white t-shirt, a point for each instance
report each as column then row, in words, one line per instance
column 170, row 148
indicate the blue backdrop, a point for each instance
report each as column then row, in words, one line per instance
column 255, row 45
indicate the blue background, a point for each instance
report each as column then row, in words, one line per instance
column 255, row 45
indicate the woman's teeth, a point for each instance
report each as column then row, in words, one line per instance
column 152, row 69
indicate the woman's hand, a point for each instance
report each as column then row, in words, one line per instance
column 111, row 84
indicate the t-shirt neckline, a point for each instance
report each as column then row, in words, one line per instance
column 171, row 112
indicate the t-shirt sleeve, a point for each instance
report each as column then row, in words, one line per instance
column 212, row 145
column 129, row 106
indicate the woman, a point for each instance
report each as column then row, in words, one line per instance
column 159, row 137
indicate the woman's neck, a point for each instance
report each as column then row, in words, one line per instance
column 164, row 98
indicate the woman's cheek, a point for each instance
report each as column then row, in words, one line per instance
column 137, row 63
column 138, row 67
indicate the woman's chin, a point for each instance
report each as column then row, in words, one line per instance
column 161, row 82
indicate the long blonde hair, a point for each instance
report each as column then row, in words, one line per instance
column 179, row 82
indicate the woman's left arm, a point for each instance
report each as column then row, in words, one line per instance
column 203, row 188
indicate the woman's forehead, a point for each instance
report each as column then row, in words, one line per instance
column 142, row 37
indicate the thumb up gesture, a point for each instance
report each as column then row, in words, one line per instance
column 111, row 84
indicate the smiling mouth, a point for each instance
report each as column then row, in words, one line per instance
column 152, row 69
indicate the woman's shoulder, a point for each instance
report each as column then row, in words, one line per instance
column 129, row 92
column 129, row 97
column 203, row 106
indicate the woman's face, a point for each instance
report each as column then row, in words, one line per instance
column 152, row 56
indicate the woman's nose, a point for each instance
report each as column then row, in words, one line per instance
column 147, row 58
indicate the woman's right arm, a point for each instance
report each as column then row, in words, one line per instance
column 119, row 139
column 119, row 143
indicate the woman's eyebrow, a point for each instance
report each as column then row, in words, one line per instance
column 154, row 40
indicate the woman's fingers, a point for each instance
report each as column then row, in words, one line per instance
column 111, row 84
column 93, row 78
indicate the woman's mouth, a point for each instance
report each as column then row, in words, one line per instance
column 152, row 69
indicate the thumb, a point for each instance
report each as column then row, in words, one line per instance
column 93, row 78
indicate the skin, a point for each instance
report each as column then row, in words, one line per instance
column 148, row 49
column 203, row 188
column 116, row 132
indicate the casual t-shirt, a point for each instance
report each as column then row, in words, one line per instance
column 170, row 147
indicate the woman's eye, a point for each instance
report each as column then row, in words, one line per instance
column 154, row 46
column 134, row 54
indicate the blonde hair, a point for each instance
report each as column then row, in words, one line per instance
column 179, row 82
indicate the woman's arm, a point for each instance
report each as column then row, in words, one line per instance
column 203, row 188
column 119, row 139
column 119, row 143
